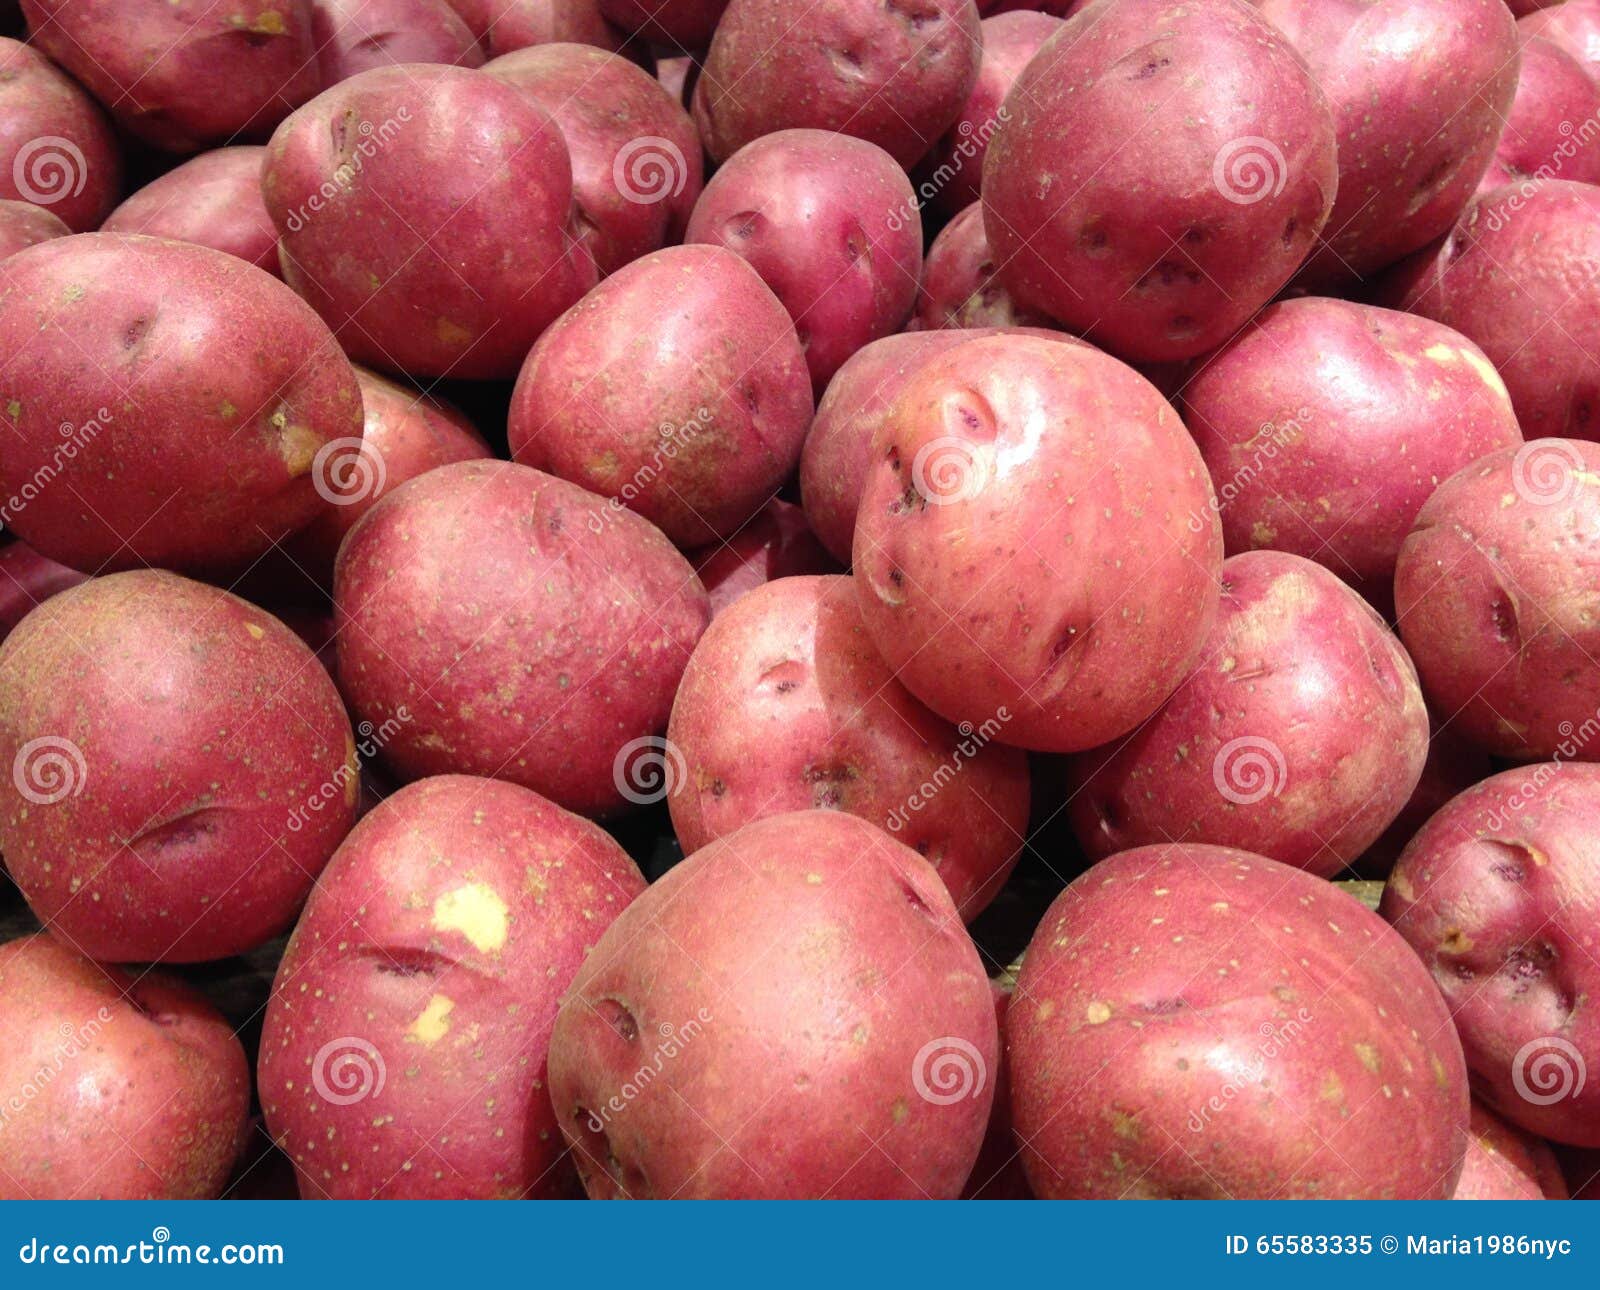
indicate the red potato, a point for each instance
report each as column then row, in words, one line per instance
column 1553, row 128
column 677, row 386
column 27, row 580
column 1502, row 1163
column 115, row 1087
column 1302, row 732
column 185, row 75
column 57, row 150
column 1274, row 1039
column 182, row 769
column 1420, row 92
column 1497, row 896
column 785, row 705
column 776, row 543
column 1037, row 533
column 765, row 960
column 1139, row 194
column 636, row 160
column 961, row 286
column 404, row 1049
column 1452, row 767
column 505, row 26
column 354, row 36
column 400, row 236
column 1493, row 594
column 1326, row 425
column 212, row 200
column 998, row 1174
column 162, row 404
column 23, row 224
column 532, row 631
column 894, row 75
column 1574, row 25
column 681, row 24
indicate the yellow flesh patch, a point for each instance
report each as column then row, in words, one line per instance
column 477, row 912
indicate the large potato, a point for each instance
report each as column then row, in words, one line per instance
column 1555, row 96
column 1193, row 1021
column 161, row 404
column 1574, row 25
column 405, row 1043
column 1037, row 533
column 799, row 990
column 56, row 146
column 355, row 36
column 1162, row 170
column 181, row 769
column 1503, row 1163
column 211, row 200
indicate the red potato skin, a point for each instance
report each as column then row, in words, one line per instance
column 434, row 614
column 1037, row 532
column 1551, row 128
column 435, row 951
column 23, row 224
column 1492, row 595
column 162, row 404
column 510, row 25
column 184, row 75
column 212, row 200
column 786, row 706
column 1574, row 25
column 1498, row 896
column 1452, row 767
column 677, row 386
column 637, row 168
column 961, row 286
column 157, row 1087
column 354, row 36
column 215, row 770
column 830, row 223
column 999, row 1175
column 77, row 181
column 878, row 72
column 27, row 580
column 1326, row 425
column 1503, row 1163
column 1258, row 1033
column 1161, row 250
column 1303, row 731
column 410, row 260
column 777, row 543
column 764, row 958
column 679, row 24
column 1420, row 92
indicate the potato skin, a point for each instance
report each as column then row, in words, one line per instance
column 1498, row 896
column 409, row 260
column 156, row 1091
column 23, row 224
column 183, row 769
column 1158, row 249
column 504, row 26
column 961, row 285
column 211, row 200
column 27, row 580
column 1302, row 732
column 677, row 385
column 1503, row 1163
column 1555, row 93
column 354, row 36
column 681, row 24
column 1275, row 1029
column 162, row 404
column 40, row 107
column 1037, row 531
column 753, row 982
column 531, row 629
column 1574, row 25
column 785, row 705
column 775, row 544
column 1326, row 425
column 1493, row 591
column 434, row 953
column 886, row 73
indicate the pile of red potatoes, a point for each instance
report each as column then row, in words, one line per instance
column 736, row 598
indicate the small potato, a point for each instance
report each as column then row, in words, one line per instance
column 354, row 36
column 23, row 224
column 504, row 26
column 777, row 543
column 961, row 285
column 1503, row 1163
column 213, row 200
column 1574, row 25
column 681, row 24
column 1555, row 95
column 27, row 580
column 1453, row 766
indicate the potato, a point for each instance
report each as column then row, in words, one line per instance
column 1505, row 1164
column 181, row 769
column 23, row 224
column 398, row 233
column 162, row 404
column 27, row 580
column 117, row 1087
column 1554, row 91
column 1420, row 91
column 961, row 286
column 184, row 75
column 677, row 386
column 1036, row 533
column 212, row 200
column 636, row 161
column 683, row 24
column 1452, row 767
column 404, row 1049
column 1574, row 25
column 1133, row 196
column 1302, row 732
column 776, row 543
column 999, row 1175
column 796, row 991
column 505, row 26
column 894, row 75
column 1326, row 425
column 57, row 151
column 786, row 705
column 1493, row 595
column 1274, row 1039
column 354, row 36
column 1496, row 895
column 532, row 631
column 830, row 223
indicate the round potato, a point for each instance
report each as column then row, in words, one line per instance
column 57, row 151
column 212, row 200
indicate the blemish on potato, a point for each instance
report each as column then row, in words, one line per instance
column 433, row 1022
column 1098, row 1013
column 1368, row 1056
column 477, row 912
